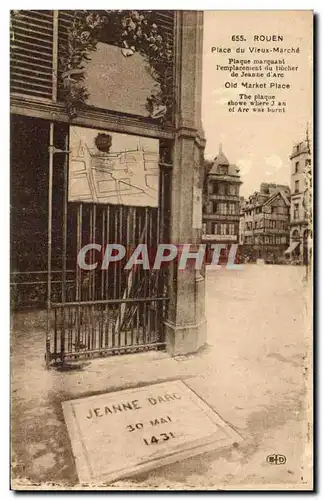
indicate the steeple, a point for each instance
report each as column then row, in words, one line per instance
column 221, row 159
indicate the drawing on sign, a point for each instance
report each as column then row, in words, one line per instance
column 126, row 173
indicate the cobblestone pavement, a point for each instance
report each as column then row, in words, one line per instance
column 255, row 372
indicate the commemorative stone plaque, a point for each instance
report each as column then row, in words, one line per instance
column 119, row 434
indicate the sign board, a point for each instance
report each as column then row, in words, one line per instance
column 126, row 174
column 117, row 79
column 119, row 434
column 219, row 237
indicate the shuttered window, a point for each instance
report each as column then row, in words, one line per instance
column 31, row 69
column 166, row 19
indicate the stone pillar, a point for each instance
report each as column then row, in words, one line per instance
column 185, row 324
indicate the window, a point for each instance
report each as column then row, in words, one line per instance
column 223, row 169
column 213, row 228
column 223, row 208
column 223, row 228
column 232, row 190
column 296, row 211
column 297, row 167
column 214, row 207
column 231, row 229
column 296, row 187
column 214, row 187
column 23, row 79
column 232, row 208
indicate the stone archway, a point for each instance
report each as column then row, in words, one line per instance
column 295, row 237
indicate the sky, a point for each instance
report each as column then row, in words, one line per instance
column 260, row 144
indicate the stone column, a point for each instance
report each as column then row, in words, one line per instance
column 186, row 325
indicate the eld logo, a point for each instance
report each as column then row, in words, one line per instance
column 276, row 459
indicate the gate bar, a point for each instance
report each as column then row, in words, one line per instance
column 113, row 350
column 49, row 240
column 64, row 252
column 109, row 301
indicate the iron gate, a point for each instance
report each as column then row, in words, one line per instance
column 102, row 312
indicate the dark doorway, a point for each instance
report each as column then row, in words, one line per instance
column 29, row 194
column 29, row 160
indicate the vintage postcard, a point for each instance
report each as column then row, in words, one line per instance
column 161, row 167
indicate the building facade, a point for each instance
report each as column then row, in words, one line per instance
column 221, row 202
column 266, row 223
column 81, row 97
column 242, row 221
column 300, row 233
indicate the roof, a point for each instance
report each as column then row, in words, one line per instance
column 282, row 194
column 221, row 160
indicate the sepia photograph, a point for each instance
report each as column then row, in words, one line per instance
column 161, row 250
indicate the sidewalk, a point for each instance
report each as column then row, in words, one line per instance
column 252, row 373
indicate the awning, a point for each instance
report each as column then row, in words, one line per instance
column 292, row 247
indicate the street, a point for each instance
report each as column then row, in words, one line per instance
column 255, row 372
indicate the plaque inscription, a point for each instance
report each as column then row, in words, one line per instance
column 119, row 434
